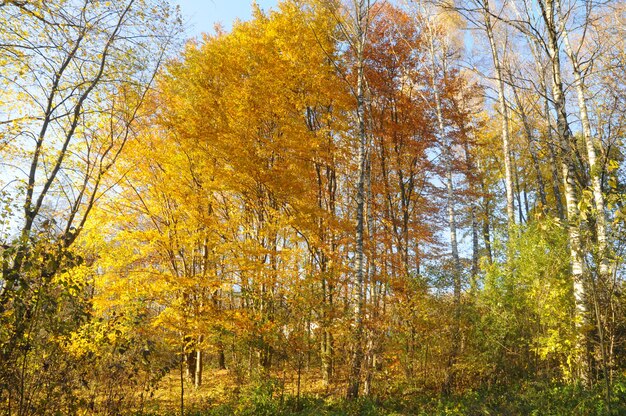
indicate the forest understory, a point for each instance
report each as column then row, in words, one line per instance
column 222, row 395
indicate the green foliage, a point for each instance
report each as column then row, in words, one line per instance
column 50, row 343
column 47, row 305
column 524, row 310
column 259, row 400
column 541, row 399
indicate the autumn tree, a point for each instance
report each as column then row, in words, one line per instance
column 75, row 75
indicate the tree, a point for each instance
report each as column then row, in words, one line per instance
column 80, row 72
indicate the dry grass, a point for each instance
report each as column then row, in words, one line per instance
column 221, row 387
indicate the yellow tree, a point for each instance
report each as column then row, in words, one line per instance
column 74, row 77
column 240, row 175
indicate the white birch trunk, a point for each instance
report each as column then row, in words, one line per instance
column 506, row 147
column 594, row 167
column 362, row 15
column 571, row 200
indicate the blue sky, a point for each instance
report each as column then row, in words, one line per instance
column 202, row 15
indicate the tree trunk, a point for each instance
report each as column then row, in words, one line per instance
column 596, row 186
column 221, row 357
column 362, row 17
column 532, row 148
column 568, row 171
column 508, row 169
column 182, row 380
column 197, row 382
column 554, row 158
column 456, row 263
column 474, row 225
column 520, row 213
column 326, row 347
column 370, row 334
column 594, row 167
column 486, row 227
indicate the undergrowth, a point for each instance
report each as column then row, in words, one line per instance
column 533, row 399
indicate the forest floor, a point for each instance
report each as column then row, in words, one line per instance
column 221, row 395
